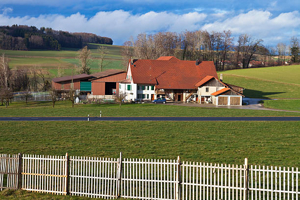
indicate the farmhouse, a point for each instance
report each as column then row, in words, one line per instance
column 177, row 80
column 98, row 85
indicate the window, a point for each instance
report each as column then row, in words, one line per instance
column 207, row 89
column 147, row 96
column 152, row 87
column 120, row 86
column 143, row 96
column 138, row 87
column 143, row 87
column 128, row 87
column 62, row 86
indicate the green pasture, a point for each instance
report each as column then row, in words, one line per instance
column 256, row 88
column 292, row 104
column 264, row 143
column 40, row 53
column 65, row 59
column 280, row 74
column 64, row 109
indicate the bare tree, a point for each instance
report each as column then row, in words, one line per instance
column 127, row 52
column 84, row 56
column 120, row 97
column 53, row 93
column 6, row 96
column 102, row 52
column 26, row 95
column 295, row 49
column 227, row 46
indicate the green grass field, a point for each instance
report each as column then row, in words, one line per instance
column 264, row 143
column 283, row 104
column 63, row 108
column 65, row 59
column 270, row 82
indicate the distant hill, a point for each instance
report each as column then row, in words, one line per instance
column 22, row 37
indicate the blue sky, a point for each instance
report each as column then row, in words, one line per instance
column 272, row 21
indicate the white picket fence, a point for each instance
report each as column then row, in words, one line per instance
column 111, row 178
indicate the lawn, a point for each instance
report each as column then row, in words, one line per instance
column 63, row 108
column 283, row 104
column 264, row 143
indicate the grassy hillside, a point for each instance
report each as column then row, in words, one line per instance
column 270, row 82
column 65, row 59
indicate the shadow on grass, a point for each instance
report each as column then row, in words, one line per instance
column 259, row 94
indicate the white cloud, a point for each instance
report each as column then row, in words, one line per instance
column 259, row 24
column 5, row 10
column 119, row 24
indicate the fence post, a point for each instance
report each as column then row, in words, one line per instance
column 178, row 180
column 119, row 175
column 20, row 171
column 246, row 179
column 67, row 170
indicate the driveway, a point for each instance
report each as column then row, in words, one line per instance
column 253, row 105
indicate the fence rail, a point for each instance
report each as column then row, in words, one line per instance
column 111, row 178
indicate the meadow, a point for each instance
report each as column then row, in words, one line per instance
column 280, row 82
column 64, row 60
column 64, row 109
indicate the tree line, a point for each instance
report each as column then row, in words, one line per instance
column 21, row 37
column 210, row 46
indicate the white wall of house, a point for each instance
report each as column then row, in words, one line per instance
column 208, row 90
column 130, row 89
column 144, row 92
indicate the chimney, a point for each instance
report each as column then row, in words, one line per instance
column 198, row 62
column 131, row 61
column 221, row 77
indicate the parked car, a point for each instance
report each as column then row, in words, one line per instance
column 159, row 100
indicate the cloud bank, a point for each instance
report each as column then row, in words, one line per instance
column 120, row 25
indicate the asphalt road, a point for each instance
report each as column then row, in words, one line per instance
column 150, row 119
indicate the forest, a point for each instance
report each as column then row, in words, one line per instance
column 22, row 37
column 223, row 48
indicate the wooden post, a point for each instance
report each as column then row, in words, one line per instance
column 178, row 180
column 246, row 179
column 67, row 170
column 119, row 175
column 20, row 171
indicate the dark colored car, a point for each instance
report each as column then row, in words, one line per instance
column 159, row 100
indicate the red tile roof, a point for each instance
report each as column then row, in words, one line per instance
column 203, row 81
column 69, row 78
column 220, row 91
column 107, row 73
column 171, row 73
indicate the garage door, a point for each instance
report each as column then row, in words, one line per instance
column 235, row 101
column 223, row 101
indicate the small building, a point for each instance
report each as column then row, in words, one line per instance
column 105, row 84
column 79, row 83
column 97, row 85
